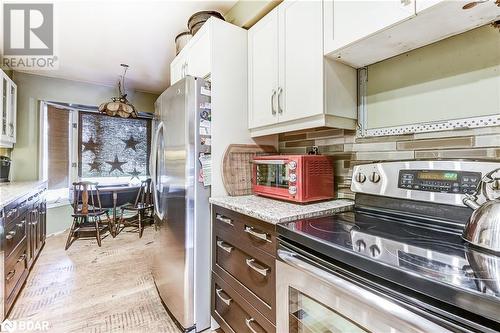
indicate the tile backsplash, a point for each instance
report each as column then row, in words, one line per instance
column 348, row 150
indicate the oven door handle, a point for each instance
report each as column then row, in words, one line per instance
column 371, row 299
column 277, row 162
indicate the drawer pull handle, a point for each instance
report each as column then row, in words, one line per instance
column 20, row 225
column 21, row 258
column 248, row 322
column 227, row 301
column 251, row 264
column 10, row 275
column 220, row 244
column 259, row 235
column 224, row 219
column 11, row 212
column 11, row 234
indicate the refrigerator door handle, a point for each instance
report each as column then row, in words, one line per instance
column 154, row 169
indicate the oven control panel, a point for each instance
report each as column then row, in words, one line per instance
column 445, row 181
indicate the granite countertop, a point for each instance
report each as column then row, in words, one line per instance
column 276, row 211
column 10, row 192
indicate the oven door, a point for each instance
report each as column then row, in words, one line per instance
column 313, row 298
column 271, row 177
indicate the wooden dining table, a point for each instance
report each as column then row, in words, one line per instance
column 115, row 195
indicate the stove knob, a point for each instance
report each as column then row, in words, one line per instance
column 293, row 177
column 292, row 165
column 374, row 251
column 292, row 190
column 360, row 245
column 374, row 177
column 360, row 177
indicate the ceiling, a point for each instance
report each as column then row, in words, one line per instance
column 92, row 39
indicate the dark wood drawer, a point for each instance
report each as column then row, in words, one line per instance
column 15, row 209
column 15, row 233
column 16, row 269
column 246, row 229
column 234, row 313
column 245, row 273
column 255, row 271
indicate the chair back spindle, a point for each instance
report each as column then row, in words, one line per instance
column 144, row 195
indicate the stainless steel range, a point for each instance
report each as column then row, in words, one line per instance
column 397, row 261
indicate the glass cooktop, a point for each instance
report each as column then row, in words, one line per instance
column 422, row 255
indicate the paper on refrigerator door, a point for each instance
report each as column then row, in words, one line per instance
column 206, row 169
column 205, row 127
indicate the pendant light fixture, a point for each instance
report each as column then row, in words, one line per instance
column 119, row 106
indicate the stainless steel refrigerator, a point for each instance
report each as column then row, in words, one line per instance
column 180, row 169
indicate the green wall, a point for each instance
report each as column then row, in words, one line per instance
column 31, row 89
column 59, row 219
column 458, row 77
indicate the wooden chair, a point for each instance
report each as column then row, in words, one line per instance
column 142, row 208
column 87, row 212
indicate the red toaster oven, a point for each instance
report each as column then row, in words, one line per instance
column 297, row 178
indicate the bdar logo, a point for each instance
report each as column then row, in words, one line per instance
column 28, row 29
column 7, row 326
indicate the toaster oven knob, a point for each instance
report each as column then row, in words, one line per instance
column 360, row 177
column 292, row 165
column 374, row 177
column 292, row 190
column 293, row 177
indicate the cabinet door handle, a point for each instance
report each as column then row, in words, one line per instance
column 11, row 212
column 10, row 275
column 280, row 110
column 226, row 248
column 20, row 225
column 227, row 301
column 21, row 258
column 251, row 231
column 11, row 234
column 273, row 95
column 224, row 219
column 251, row 264
column 248, row 322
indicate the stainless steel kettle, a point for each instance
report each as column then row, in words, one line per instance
column 483, row 228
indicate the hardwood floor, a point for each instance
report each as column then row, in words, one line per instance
column 95, row 289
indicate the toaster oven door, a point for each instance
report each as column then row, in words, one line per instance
column 272, row 177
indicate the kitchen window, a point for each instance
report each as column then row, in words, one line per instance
column 113, row 149
column 57, row 151
column 78, row 144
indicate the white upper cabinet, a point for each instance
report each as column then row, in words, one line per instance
column 288, row 75
column 263, row 66
column 301, row 60
column 198, row 57
column 194, row 59
column 349, row 21
column 361, row 33
column 177, row 69
column 8, row 111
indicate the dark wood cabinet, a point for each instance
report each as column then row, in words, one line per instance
column 243, row 269
column 24, row 223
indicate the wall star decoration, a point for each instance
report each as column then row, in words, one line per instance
column 116, row 165
column 95, row 166
column 134, row 174
column 91, row 145
column 131, row 143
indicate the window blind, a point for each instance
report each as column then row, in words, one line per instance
column 112, row 146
